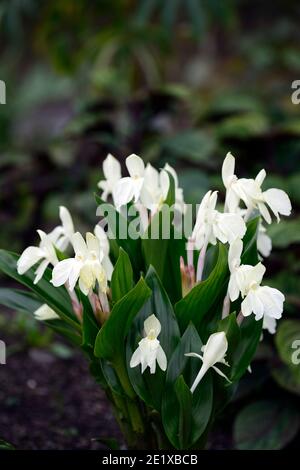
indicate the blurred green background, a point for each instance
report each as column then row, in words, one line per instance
column 179, row 81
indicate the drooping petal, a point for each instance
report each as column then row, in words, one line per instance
column 233, row 288
column 40, row 271
column 221, row 373
column 264, row 244
column 264, row 212
column 228, row 169
column 269, row 323
column 272, row 300
column 103, row 239
column 257, row 305
column 232, row 226
column 246, row 306
column 135, row 358
column 161, row 358
column 29, row 258
column 92, row 243
column 137, row 188
column 278, row 201
column 135, row 166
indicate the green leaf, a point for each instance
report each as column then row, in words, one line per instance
column 202, row 398
column 201, row 303
column 90, row 326
column 122, row 276
column 287, row 341
column 266, row 425
column 56, row 297
column 250, row 255
column 162, row 246
column 250, row 330
column 19, row 300
column 5, row 445
column 184, row 397
column 118, row 233
column 193, row 145
column 110, row 341
column 286, row 233
column 65, row 330
column 286, row 378
column 243, row 126
column 231, row 329
column 148, row 386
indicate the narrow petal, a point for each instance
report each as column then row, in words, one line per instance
column 102, row 237
column 246, row 306
column 40, row 271
column 260, row 177
column 92, row 243
column 235, row 253
column 66, row 219
column 221, row 373
column 228, row 169
column 264, row 212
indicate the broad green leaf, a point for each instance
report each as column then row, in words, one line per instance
column 110, row 341
column 286, row 233
column 122, row 276
column 19, row 300
column 162, row 247
column 249, row 255
column 287, row 341
column 151, row 386
column 184, row 397
column 193, row 145
column 250, row 330
column 286, row 378
column 56, row 297
column 203, row 301
column 266, row 425
column 243, row 126
column 202, row 398
column 118, row 228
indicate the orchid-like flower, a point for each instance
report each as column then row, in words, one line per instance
column 155, row 188
column 44, row 254
column 66, row 229
column 86, row 266
column 212, row 225
column 149, row 350
column 112, row 172
column 249, row 190
column 214, row 352
column 264, row 242
column 129, row 188
column 246, row 280
column 104, row 247
column 44, row 312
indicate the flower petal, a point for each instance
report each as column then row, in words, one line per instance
column 124, row 192
column 152, row 323
column 228, row 169
column 135, row 165
column 161, row 358
column 66, row 219
column 278, row 201
column 29, row 258
column 111, row 168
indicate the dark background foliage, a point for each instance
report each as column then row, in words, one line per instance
column 175, row 81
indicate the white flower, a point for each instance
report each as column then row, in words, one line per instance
column 155, row 188
column 214, row 351
column 130, row 187
column 112, row 172
column 66, row 230
column 264, row 242
column 179, row 201
column 263, row 301
column 211, row 225
column 44, row 253
column 249, row 190
column 104, row 247
column 44, row 312
column 149, row 350
column 86, row 266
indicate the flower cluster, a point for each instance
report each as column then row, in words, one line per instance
column 89, row 270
